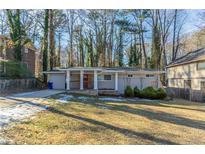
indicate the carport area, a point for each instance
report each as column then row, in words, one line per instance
column 58, row 78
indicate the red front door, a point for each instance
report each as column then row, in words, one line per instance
column 85, row 81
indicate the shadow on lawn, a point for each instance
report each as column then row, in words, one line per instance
column 155, row 115
column 163, row 104
column 169, row 105
column 124, row 131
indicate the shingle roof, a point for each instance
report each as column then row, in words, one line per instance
column 129, row 69
column 111, row 69
column 189, row 57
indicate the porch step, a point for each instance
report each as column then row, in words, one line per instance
column 108, row 92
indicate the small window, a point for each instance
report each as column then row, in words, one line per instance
column 149, row 75
column 187, row 84
column 107, row 77
column 203, row 86
column 201, row 66
column 26, row 50
column 129, row 75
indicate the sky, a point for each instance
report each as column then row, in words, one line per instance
column 192, row 21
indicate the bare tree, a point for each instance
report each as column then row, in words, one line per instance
column 71, row 19
column 179, row 20
column 111, row 37
column 166, row 19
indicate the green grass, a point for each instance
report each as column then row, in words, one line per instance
column 96, row 122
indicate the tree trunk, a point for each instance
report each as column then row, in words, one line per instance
column 174, row 37
column 110, row 49
column 144, row 49
column 104, row 53
column 81, row 48
column 51, row 40
column 45, row 43
column 59, row 51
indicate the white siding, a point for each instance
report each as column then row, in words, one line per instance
column 176, row 76
column 106, row 84
column 141, row 81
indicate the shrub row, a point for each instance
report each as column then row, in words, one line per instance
column 148, row 92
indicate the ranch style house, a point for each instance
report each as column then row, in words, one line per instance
column 99, row 80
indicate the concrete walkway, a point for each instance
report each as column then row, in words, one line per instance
column 16, row 108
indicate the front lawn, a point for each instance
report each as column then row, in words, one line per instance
column 84, row 120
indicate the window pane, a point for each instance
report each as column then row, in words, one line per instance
column 201, row 65
column 107, row 77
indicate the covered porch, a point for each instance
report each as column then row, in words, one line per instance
column 85, row 79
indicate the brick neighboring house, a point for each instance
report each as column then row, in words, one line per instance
column 30, row 55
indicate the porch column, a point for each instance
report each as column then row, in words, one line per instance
column 67, row 80
column 116, row 81
column 95, row 80
column 81, row 79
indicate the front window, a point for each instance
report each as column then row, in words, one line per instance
column 107, row 77
column 149, row 75
column 201, row 65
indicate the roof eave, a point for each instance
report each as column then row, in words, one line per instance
column 79, row 69
column 184, row 63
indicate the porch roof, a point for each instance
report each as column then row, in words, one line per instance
column 114, row 69
column 81, row 68
column 54, row 72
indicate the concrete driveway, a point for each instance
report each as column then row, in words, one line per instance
column 37, row 94
column 17, row 107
